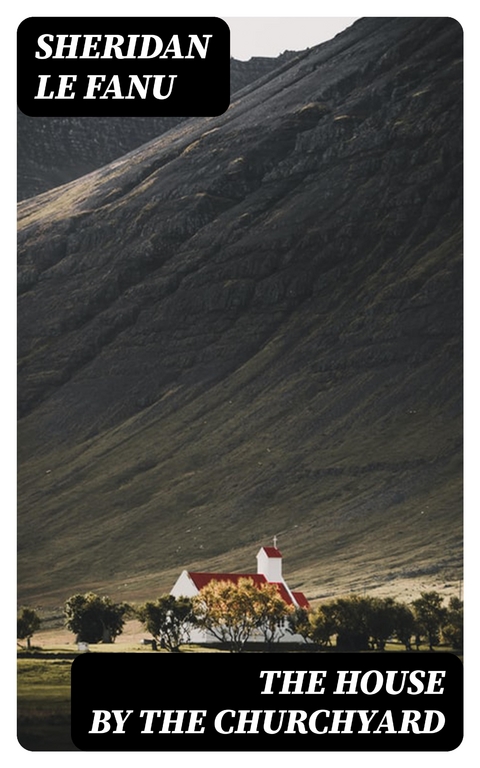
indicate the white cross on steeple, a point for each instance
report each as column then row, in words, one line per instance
column 275, row 541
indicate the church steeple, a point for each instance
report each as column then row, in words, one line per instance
column 269, row 563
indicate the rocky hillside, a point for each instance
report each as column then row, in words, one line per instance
column 54, row 151
column 251, row 326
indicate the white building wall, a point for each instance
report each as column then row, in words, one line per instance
column 270, row 567
column 184, row 586
column 202, row 637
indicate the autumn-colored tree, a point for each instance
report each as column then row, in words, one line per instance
column 323, row 624
column 299, row 623
column 169, row 620
column 272, row 612
column 232, row 612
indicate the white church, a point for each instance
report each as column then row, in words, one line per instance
column 269, row 570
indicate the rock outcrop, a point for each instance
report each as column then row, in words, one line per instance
column 54, row 151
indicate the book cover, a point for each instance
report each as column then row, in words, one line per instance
column 240, row 382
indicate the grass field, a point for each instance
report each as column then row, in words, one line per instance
column 43, row 684
column 43, row 687
column 43, row 702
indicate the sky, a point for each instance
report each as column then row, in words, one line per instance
column 270, row 36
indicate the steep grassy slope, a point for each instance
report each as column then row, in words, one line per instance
column 55, row 150
column 253, row 326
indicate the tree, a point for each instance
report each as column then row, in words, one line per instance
column 169, row 620
column 299, row 623
column 350, row 616
column 28, row 622
column 272, row 612
column 381, row 620
column 323, row 624
column 430, row 616
column 452, row 629
column 405, row 624
column 231, row 612
column 95, row 619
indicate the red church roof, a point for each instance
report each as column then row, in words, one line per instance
column 272, row 551
column 301, row 600
column 202, row 579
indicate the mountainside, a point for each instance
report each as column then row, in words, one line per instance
column 55, row 150
column 252, row 325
